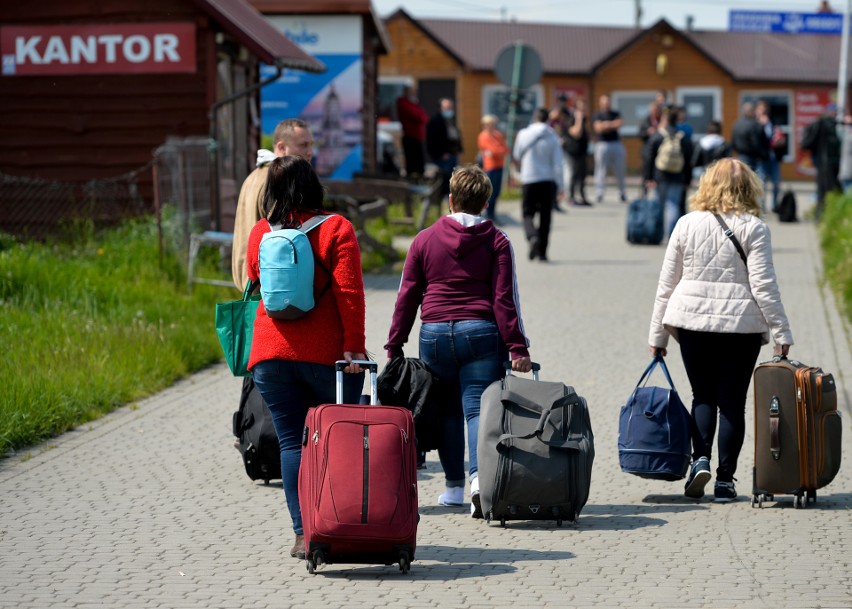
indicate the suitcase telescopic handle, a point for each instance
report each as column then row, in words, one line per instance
column 536, row 367
column 372, row 366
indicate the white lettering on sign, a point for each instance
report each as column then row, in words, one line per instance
column 136, row 48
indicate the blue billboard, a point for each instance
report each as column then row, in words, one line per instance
column 785, row 23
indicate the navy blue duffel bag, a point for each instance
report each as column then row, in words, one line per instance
column 654, row 430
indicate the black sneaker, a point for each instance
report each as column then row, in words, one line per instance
column 725, row 492
column 699, row 475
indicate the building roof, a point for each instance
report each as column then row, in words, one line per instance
column 775, row 57
column 242, row 21
column 375, row 25
column 580, row 50
column 564, row 49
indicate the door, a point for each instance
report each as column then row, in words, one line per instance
column 431, row 91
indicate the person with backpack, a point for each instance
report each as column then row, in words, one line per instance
column 668, row 156
column 293, row 356
column 711, row 147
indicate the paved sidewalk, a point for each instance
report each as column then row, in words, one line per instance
column 149, row 507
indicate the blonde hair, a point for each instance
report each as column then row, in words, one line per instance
column 728, row 185
column 488, row 119
column 470, row 189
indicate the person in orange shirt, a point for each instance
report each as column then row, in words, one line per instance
column 493, row 148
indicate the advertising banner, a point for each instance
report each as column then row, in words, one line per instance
column 810, row 104
column 329, row 102
column 785, row 22
column 119, row 48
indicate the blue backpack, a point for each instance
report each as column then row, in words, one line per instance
column 286, row 262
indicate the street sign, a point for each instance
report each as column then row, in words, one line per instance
column 527, row 69
column 785, row 23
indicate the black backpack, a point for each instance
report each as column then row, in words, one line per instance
column 787, row 207
column 258, row 442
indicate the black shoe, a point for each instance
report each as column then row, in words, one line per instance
column 725, row 492
column 699, row 476
column 533, row 248
column 623, row 198
column 542, row 258
column 582, row 203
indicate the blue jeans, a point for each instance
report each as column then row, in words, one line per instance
column 471, row 355
column 289, row 388
column 771, row 175
column 669, row 194
column 496, row 177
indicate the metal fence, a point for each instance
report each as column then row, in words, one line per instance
column 36, row 208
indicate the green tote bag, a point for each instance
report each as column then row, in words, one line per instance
column 235, row 327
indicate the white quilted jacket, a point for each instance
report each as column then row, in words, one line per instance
column 705, row 286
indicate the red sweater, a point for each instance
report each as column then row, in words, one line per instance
column 336, row 323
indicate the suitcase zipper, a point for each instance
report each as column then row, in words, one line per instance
column 365, row 492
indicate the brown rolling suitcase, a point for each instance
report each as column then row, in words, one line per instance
column 797, row 431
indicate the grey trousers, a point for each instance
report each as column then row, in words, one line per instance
column 609, row 155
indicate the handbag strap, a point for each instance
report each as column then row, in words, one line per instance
column 730, row 235
column 251, row 286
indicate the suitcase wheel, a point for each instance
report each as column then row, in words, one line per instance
column 757, row 500
column 558, row 522
column 266, row 482
column 799, row 501
column 313, row 561
column 404, row 562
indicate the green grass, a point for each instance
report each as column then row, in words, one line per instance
column 836, row 230
column 96, row 320
column 93, row 323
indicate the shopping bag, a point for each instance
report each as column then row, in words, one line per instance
column 235, row 327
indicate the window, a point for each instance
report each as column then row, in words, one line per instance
column 495, row 100
column 780, row 105
column 390, row 88
column 702, row 105
column 633, row 106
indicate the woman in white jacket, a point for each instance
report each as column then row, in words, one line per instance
column 721, row 305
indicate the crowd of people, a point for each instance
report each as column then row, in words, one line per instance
column 460, row 273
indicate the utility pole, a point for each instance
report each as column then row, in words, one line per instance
column 842, row 75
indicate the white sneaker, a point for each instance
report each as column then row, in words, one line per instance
column 475, row 505
column 453, row 496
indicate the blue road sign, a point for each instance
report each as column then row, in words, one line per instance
column 785, row 23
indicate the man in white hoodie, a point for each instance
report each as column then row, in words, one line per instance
column 539, row 152
column 292, row 136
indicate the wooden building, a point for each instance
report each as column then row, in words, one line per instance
column 89, row 89
column 710, row 73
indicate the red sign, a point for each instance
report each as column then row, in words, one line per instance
column 810, row 105
column 119, row 48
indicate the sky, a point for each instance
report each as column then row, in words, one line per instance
column 706, row 14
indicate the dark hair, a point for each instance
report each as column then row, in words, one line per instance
column 540, row 115
column 291, row 186
column 714, row 127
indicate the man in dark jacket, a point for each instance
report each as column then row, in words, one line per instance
column 443, row 142
column 748, row 139
column 821, row 139
column 668, row 162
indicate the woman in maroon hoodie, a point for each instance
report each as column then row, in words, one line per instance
column 460, row 272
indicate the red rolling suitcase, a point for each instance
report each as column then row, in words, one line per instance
column 358, row 482
column 797, row 431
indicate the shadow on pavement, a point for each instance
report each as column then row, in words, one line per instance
column 453, row 563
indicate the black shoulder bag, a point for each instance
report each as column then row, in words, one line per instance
column 730, row 235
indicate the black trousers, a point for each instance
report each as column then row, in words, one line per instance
column 538, row 198
column 414, row 155
column 719, row 367
column 579, row 169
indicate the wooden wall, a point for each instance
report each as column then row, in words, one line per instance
column 83, row 127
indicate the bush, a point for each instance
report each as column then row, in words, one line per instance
column 836, row 231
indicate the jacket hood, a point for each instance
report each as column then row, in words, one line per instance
column 460, row 240
column 264, row 157
column 711, row 141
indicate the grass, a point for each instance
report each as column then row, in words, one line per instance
column 97, row 320
column 836, row 233
column 83, row 333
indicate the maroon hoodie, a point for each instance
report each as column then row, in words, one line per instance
column 457, row 273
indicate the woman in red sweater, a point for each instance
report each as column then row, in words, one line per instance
column 292, row 361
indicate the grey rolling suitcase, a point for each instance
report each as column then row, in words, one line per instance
column 535, row 450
